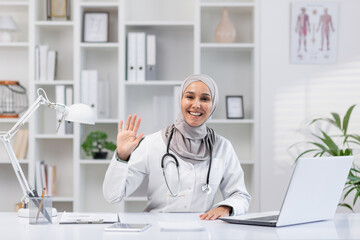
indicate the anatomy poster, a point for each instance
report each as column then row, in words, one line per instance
column 314, row 32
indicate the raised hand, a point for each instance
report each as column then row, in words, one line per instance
column 126, row 140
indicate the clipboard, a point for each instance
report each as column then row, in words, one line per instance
column 88, row 218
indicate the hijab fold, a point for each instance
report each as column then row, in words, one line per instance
column 192, row 144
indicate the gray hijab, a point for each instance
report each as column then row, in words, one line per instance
column 193, row 144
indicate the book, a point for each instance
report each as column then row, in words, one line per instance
column 131, row 56
column 38, row 183
column 23, row 144
column 37, row 63
column 51, row 65
column 51, row 180
column 43, row 51
column 43, row 177
column 140, row 56
column 16, row 144
column 151, row 57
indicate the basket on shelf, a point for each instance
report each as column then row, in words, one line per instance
column 13, row 99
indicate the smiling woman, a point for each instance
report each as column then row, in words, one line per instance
column 185, row 162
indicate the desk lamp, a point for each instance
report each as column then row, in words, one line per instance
column 7, row 25
column 75, row 113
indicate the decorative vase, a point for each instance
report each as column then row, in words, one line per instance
column 100, row 155
column 225, row 31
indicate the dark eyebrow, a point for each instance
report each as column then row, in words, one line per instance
column 204, row 94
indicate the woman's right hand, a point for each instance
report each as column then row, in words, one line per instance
column 126, row 140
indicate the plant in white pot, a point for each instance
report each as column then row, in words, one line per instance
column 95, row 144
column 340, row 144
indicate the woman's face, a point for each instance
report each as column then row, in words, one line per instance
column 196, row 103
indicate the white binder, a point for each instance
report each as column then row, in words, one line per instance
column 140, row 56
column 60, row 98
column 151, row 57
column 131, row 57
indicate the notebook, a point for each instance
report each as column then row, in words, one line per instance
column 313, row 194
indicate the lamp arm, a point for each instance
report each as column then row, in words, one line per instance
column 40, row 100
column 6, row 139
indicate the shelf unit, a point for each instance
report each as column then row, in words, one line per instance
column 186, row 44
column 14, row 62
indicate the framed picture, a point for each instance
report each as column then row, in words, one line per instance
column 58, row 9
column 96, row 27
column 234, row 107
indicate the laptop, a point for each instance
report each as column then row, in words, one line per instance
column 313, row 194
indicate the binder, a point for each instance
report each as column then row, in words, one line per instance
column 131, row 57
column 151, row 57
column 93, row 88
column 140, row 56
column 69, row 100
column 104, row 98
column 84, row 91
column 60, row 98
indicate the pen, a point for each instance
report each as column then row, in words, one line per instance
column 41, row 202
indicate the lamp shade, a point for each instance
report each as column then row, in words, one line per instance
column 80, row 113
column 7, row 23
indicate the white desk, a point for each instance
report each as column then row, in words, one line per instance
column 344, row 226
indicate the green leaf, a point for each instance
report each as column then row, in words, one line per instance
column 333, row 148
column 356, row 197
column 337, row 119
column 347, row 118
column 346, row 205
column 307, row 151
column 348, row 192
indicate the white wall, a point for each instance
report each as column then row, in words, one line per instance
column 291, row 93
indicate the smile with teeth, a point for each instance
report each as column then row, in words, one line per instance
column 195, row 113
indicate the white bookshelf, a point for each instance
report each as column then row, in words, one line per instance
column 185, row 29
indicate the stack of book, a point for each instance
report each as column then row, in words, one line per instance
column 45, row 63
column 141, row 57
column 45, row 176
column 20, row 143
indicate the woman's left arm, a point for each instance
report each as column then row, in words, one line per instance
column 236, row 198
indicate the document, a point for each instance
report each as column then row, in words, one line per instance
column 88, row 218
column 181, row 226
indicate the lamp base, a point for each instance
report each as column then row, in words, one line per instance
column 5, row 37
column 25, row 213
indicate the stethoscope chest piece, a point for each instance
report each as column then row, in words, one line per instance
column 206, row 188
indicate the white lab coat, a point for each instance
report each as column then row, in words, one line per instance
column 122, row 179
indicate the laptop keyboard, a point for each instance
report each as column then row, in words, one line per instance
column 266, row 218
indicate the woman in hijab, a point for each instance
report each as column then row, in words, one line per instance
column 185, row 163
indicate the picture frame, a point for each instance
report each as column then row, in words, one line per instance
column 235, row 107
column 58, row 9
column 96, row 27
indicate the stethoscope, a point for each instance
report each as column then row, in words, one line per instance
column 205, row 187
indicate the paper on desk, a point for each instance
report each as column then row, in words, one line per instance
column 88, row 217
column 180, row 226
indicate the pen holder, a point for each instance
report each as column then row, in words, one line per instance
column 40, row 210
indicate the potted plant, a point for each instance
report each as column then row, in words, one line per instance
column 95, row 143
column 340, row 144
